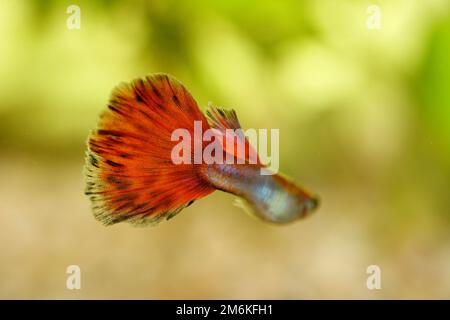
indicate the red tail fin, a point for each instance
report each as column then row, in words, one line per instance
column 130, row 175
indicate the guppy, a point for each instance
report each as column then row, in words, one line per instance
column 130, row 175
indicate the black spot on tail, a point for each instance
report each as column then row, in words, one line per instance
column 93, row 160
column 114, row 164
column 155, row 90
column 176, row 100
column 117, row 110
column 115, row 180
column 109, row 133
column 139, row 97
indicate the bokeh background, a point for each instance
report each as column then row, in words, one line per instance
column 364, row 119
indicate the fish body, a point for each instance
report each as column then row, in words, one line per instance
column 131, row 175
column 272, row 197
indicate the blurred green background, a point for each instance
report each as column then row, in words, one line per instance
column 364, row 118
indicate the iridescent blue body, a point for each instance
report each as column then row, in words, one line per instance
column 272, row 197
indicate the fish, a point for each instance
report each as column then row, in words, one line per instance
column 130, row 175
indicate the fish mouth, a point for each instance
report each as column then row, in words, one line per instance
column 310, row 205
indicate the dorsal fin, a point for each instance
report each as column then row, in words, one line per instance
column 222, row 119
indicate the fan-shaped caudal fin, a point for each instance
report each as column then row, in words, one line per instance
column 129, row 172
